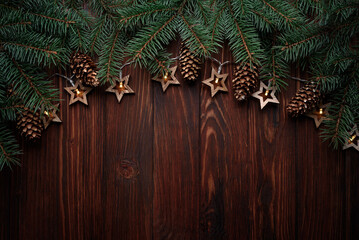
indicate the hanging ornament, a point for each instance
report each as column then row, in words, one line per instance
column 120, row 88
column 217, row 81
column 84, row 69
column 353, row 141
column 29, row 124
column 78, row 93
column 166, row 80
column 51, row 116
column 305, row 99
column 245, row 81
column 189, row 63
column 266, row 96
column 319, row 114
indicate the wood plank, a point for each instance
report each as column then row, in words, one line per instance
column 91, row 155
column 180, row 165
column 352, row 193
column 272, row 169
column 176, row 161
column 225, row 162
column 320, row 184
column 5, row 206
column 128, row 132
column 38, row 196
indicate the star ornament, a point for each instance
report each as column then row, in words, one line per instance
column 353, row 141
column 78, row 93
column 216, row 82
column 319, row 115
column 167, row 80
column 267, row 96
column 51, row 116
column 120, row 88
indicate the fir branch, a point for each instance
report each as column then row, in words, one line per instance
column 49, row 52
column 161, row 64
column 216, row 22
column 110, row 58
column 340, row 112
column 14, row 24
column 9, row 148
column 287, row 19
column 262, row 16
column 97, row 30
column 195, row 35
column 142, row 49
column 44, row 100
column 53, row 19
column 240, row 32
column 202, row 12
column 288, row 46
column 149, row 12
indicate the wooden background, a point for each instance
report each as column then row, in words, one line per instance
column 180, row 165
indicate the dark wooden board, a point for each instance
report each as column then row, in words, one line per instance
column 225, row 163
column 127, row 175
column 176, row 160
column 180, row 165
column 320, row 185
column 5, row 186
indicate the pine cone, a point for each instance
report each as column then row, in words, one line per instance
column 245, row 81
column 84, row 69
column 30, row 124
column 306, row 99
column 190, row 64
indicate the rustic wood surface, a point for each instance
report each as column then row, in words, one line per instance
column 180, row 165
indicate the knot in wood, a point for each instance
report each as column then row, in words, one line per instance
column 129, row 169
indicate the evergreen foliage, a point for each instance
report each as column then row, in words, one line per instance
column 34, row 35
column 320, row 36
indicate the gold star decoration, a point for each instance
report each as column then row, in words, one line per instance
column 167, row 80
column 267, row 96
column 216, row 82
column 78, row 93
column 51, row 116
column 120, row 88
column 353, row 141
column 320, row 114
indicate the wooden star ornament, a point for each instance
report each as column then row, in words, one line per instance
column 120, row 88
column 51, row 116
column 266, row 96
column 353, row 141
column 167, row 80
column 216, row 82
column 78, row 93
column 320, row 114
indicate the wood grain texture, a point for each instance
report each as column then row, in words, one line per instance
column 320, row 176
column 180, row 165
column 225, row 162
column 176, row 160
column 5, row 186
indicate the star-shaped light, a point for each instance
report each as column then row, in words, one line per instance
column 319, row 115
column 51, row 116
column 78, row 93
column 353, row 141
column 266, row 96
column 120, row 88
column 216, row 82
column 167, row 80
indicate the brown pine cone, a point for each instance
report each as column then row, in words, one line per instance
column 189, row 63
column 245, row 81
column 29, row 124
column 306, row 99
column 84, row 69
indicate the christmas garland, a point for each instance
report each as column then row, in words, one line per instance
column 266, row 37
